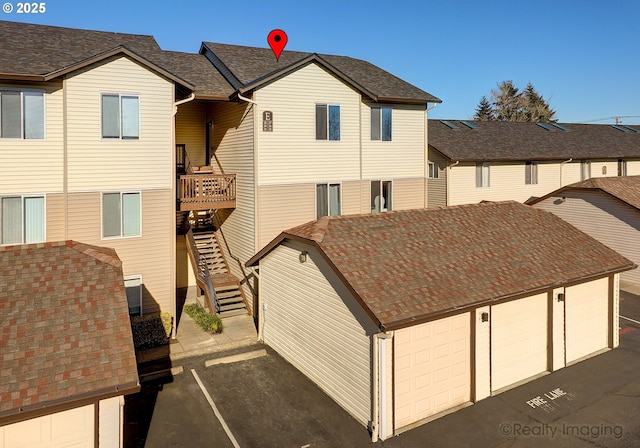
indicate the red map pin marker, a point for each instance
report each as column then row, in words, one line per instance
column 277, row 40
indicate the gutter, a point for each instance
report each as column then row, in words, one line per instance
column 178, row 103
column 63, row 404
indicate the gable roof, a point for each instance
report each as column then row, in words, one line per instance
column 513, row 141
column 624, row 188
column 248, row 68
column 65, row 325
column 405, row 267
column 42, row 52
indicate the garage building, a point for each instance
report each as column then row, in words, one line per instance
column 405, row 316
column 66, row 350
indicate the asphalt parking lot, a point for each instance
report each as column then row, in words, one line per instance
column 265, row 402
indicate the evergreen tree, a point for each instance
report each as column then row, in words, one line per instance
column 508, row 103
column 484, row 111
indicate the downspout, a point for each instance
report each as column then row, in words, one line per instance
column 561, row 164
column 426, row 151
column 375, row 418
column 174, row 310
column 248, row 100
column 449, row 179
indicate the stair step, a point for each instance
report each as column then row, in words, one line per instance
column 222, row 302
column 233, row 313
column 223, row 288
column 227, row 294
column 234, row 306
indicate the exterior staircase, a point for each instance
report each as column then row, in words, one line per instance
column 229, row 296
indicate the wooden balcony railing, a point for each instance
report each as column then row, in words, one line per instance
column 206, row 191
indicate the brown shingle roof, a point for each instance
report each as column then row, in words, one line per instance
column 30, row 50
column 625, row 188
column 408, row 266
column 511, row 141
column 65, row 326
column 248, row 66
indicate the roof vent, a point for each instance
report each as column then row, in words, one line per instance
column 545, row 126
column 631, row 129
column 469, row 124
column 559, row 126
column 448, row 123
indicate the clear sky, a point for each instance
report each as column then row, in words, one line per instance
column 583, row 56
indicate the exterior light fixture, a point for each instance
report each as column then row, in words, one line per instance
column 484, row 317
column 561, row 297
column 303, row 256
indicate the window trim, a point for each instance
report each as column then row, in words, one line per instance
column 380, row 128
column 121, row 137
column 531, row 171
column 134, row 277
column 381, row 181
column 22, row 198
column 327, row 105
column 316, row 197
column 622, row 167
column 480, row 167
column 22, row 123
column 121, row 236
column 433, row 170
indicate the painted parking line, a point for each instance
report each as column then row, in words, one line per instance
column 630, row 320
column 215, row 410
column 626, row 330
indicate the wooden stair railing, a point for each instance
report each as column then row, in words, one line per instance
column 203, row 276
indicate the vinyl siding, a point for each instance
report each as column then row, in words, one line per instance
column 633, row 167
column 54, row 204
column 606, row 219
column 604, row 168
column 291, row 153
column 97, row 164
column 353, row 201
column 507, row 182
column 110, row 429
column 282, row 207
column 408, row 194
column 557, row 330
column 149, row 255
column 35, row 166
column 327, row 338
column 233, row 141
column 403, row 156
column 191, row 121
column 184, row 271
column 437, row 188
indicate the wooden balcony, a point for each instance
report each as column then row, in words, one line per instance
column 206, row 191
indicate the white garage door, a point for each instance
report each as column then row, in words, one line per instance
column 69, row 429
column 518, row 340
column 432, row 368
column 586, row 318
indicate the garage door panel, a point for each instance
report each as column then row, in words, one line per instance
column 518, row 340
column 586, row 318
column 432, row 368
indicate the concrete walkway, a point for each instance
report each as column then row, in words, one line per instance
column 191, row 340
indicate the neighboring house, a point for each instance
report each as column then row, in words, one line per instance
column 608, row 209
column 473, row 161
column 404, row 316
column 306, row 136
column 66, row 349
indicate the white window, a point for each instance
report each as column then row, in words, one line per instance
column 23, row 219
column 531, row 173
column 120, row 116
column 381, row 123
column 327, row 200
column 121, row 214
column 21, row 114
column 433, row 171
column 380, row 196
column 482, row 174
column 133, row 287
column 585, row 170
column 327, row 122
column 622, row 167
